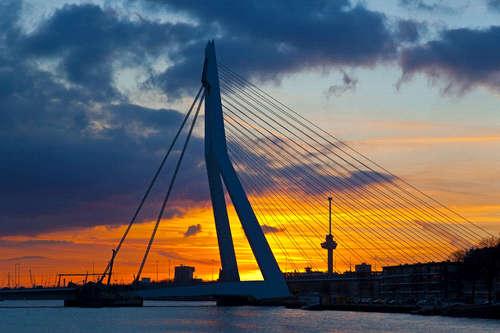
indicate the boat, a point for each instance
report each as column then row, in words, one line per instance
column 93, row 295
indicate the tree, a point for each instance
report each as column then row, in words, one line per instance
column 492, row 241
column 483, row 264
column 458, row 256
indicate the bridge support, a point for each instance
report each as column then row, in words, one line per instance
column 220, row 168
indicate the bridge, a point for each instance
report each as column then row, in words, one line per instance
column 277, row 168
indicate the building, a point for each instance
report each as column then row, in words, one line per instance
column 363, row 268
column 431, row 281
column 362, row 285
column 481, row 274
column 183, row 274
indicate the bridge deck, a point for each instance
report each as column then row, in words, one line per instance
column 257, row 289
column 37, row 293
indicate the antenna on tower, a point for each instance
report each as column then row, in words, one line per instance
column 329, row 244
column 329, row 215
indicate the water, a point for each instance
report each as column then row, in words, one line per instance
column 51, row 316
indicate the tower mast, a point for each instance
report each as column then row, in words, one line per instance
column 221, row 171
column 329, row 244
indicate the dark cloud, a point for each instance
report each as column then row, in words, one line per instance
column 350, row 182
column 78, row 152
column 362, row 178
column 309, row 175
column 348, row 84
column 66, row 180
column 452, row 238
column 313, row 34
column 268, row 229
column 89, row 43
column 494, row 4
column 427, row 5
column 410, row 31
column 172, row 255
column 30, row 243
column 10, row 14
column 25, row 258
column 463, row 58
column 192, row 230
column 263, row 171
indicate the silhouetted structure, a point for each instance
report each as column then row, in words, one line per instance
column 329, row 244
column 481, row 274
column 363, row 268
column 475, row 279
column 423, row 281
column 183, row 274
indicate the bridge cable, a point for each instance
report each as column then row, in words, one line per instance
column 335, row 180
column 275, row 194
column 341, row 144
column 311, row 213
column 151, row 183
column 292, row 178
column 255, row 189
column 351, row 164
column 271, row 187
column 169, row 190
column 284, row 171
column 265, row 219
column 255, row 186
column 304, row 199
column 274, row 128
column 311, row 145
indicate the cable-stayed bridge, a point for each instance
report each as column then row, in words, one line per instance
column 276, row 168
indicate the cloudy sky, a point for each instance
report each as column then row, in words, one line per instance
column 91, row 92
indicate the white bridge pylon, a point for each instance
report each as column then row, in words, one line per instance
column 221, row 174
column 220, row 171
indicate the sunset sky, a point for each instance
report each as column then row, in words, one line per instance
column 92, row 92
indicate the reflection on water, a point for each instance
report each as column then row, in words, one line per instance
column 51, row 316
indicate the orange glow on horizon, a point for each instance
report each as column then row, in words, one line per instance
column 88, row 249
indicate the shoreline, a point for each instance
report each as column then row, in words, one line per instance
column 486, row 311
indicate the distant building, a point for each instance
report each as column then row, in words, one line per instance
column 358, row 286
column 403, row 284
column 410, row 283
column 183, row 274
column 363, row 268
column 362, row 285
column 146, row 280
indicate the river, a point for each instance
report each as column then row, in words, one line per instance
column 51, row 316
